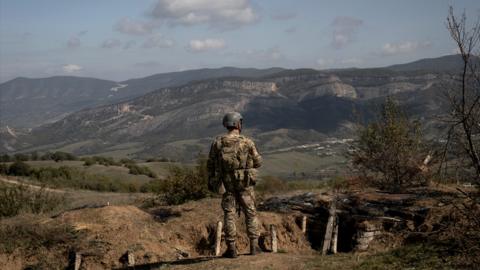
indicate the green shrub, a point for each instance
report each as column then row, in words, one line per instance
column 126, row 161
column 163, row 159
column 88, row 161
column 16, row 199
column 3, row 168
column 106, row 161
column 184, row 184
column 61, row 156
column 24, row 234
column 389, row 152
column 5, row 158
column 154, row 186
column 137, row 170
column 19, row 168
column 271, row 185
column 20, row 157
column 70, row 177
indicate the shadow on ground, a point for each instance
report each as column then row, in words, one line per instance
column 160, row 264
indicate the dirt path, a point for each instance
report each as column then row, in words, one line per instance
column 16, row 182
column 281, row 261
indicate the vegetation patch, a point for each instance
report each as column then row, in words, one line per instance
column 184, row 183
column 71, row 177
column 389, row 152
column 16, row 199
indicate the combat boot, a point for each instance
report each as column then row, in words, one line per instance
column 231, row 250
column 254, row 247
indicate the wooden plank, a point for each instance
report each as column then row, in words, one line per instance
column 78, row 261
column 329, row 230
column 130, row 258
column 273, row 235
column 335, row 237
column 304, row 224
column 218, row 238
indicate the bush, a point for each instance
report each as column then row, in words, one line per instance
column 137, row 170
column 271, row 185
column 61, row 156
column 18, row 199
column 184, row 184
column 106, row 161
column 390, row 151
column 23, row 234
column 3, row 168
column 163, row 159
column 88, row 161
column 5, row 158
column 19, row 168
column 20, row 157
column 126, row 161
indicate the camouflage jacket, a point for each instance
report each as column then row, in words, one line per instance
column 245, row 174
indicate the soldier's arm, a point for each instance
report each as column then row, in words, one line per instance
column 256, row 158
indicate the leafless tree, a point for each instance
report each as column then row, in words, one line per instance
column 464, row 97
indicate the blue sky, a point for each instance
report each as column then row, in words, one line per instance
column 120, row 39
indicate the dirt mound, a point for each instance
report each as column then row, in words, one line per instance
column 106, row 234
column 180, row 234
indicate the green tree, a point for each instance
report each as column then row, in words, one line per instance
column 3, row 168
column 20, row 157
column 61, row 156
column 5, row 158
column 184, row 183
column 19, row 168
column 389, row 152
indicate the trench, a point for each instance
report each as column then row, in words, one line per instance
column 316, row 227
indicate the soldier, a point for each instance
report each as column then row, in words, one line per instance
column 232, row 161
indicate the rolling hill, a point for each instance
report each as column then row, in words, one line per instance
column 282, row 109
column 28, row 103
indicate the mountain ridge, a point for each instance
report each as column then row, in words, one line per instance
column 178, row 121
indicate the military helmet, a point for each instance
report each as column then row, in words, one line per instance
column 231, row 119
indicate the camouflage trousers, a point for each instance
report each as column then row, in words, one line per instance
column 246, row 199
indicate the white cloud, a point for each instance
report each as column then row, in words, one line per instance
column 344, row 31
column 73, row 42
column 133, row 27
column 223, row 14
column 404, row 47
column 158, row 41
column 197, row 45
column 71, row 68
column 111, row 43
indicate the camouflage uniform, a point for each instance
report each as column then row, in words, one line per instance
column 238, row 183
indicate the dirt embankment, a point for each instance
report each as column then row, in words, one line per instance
column 106, row 234
column 182, row 237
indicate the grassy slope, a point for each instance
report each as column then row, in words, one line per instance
column 286, row 163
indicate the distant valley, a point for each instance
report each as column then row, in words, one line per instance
column 176, row 115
